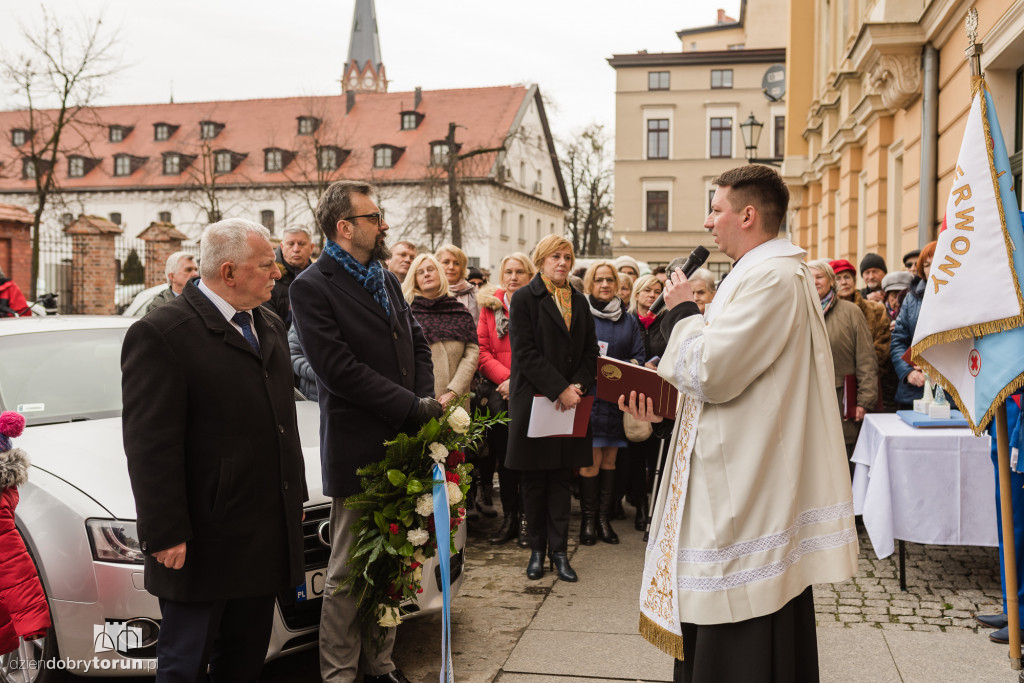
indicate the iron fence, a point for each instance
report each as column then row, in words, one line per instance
column 56, row 255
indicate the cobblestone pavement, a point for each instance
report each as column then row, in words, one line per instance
column 946, row 586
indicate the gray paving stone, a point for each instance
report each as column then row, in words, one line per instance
column 949, row 656
column 563, row 653
column 855, row 656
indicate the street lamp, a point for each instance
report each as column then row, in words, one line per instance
column 751, row 131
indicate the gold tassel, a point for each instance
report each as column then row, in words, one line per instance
column 659, row 637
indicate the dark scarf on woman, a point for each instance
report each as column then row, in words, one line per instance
column 829, row 302
column 444, row 319
column 608, row 310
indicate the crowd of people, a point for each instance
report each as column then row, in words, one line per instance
column 385, row 338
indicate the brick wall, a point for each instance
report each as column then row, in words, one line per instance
column 16, row 253
column 156, row 261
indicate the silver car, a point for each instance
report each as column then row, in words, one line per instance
column 77, row 513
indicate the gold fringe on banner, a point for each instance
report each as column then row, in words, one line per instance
column 664, row 640
column 979, row 426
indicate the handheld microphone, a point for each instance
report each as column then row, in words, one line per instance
column 694, row 261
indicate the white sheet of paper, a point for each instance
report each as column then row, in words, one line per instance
column 547, row 420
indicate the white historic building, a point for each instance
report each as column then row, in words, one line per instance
column 269, row 159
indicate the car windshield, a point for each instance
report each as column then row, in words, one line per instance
column 62, row 376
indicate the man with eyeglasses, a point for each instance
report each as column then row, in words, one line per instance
column 375, row 379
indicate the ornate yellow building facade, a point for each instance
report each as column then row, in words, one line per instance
column 877, row 100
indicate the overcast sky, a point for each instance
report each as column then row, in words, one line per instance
column 220, row 49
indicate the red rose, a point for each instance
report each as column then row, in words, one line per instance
column 394, row 529
column 455, row 458
column 414, row 566
column 420, row 590
column 452, row 476
column 462, row 513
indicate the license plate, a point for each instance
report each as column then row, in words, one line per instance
column 313, row 587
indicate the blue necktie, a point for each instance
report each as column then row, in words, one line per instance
column 244, row 320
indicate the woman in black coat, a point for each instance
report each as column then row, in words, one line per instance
column 554, row 354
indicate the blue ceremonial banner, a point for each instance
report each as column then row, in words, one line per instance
column 442, row 529
column 969, row 335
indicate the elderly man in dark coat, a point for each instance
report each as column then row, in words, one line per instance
column 374, row 378
column 214, row 459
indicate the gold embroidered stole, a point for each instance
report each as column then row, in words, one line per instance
column 659, row 606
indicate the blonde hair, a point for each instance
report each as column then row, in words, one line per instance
column 409, row 287
column 642, row 283
column 516, row 256
column 625, row 278
column 459, row 255
column 588, row 277
column 548, row 246
column 825, row 267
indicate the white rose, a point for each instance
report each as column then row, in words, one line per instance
column 438, row 452
column 417, row 536
column 391, row 617
column 425, row 505
column 459, row 420
column 417, row 574
column 418, row 556
column 454, row 493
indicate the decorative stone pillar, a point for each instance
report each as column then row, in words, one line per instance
column 93, row 265
column 162, row 240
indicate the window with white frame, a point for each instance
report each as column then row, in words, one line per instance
column 439, row 154
column 222, row 162
column 720, row 137
column 657, row 80
column 272, row 160
column 122, row 165
column 172, row 164
column 76, row 167
column 382, row 157
column 657, row 138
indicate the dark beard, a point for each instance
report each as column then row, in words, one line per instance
column 381, row 252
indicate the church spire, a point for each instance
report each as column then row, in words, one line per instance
column 364, row 71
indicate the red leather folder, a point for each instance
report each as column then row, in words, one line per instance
column 581, row 419
column 617, row 378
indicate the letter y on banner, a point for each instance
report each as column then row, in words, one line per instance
column 969, row 336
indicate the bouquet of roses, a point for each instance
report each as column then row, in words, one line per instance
column 395, row 534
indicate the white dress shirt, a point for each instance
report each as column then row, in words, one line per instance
column 227, row 310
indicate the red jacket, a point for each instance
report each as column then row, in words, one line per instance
column 10, row 292
column 495, row 352
column 23, row 608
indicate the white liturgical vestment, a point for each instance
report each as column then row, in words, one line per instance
column 755, row 503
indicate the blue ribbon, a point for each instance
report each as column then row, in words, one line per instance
column 442, row 528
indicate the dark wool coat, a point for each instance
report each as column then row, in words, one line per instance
column 213, row 451
column 279, row 297
column 624, row 343
column 546, row 358
column 371, row 369
column 23, row 609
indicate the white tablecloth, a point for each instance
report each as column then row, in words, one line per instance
column 932, row 485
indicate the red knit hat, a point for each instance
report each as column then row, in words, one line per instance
column 841, row 264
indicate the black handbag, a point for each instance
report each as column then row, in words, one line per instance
column 487, row 399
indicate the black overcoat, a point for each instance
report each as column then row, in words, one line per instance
column 546, row 358
column 371, row 369
column 213, row 451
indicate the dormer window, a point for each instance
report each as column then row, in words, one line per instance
column 276, row 159
column 438, row 153
column 163, row 131
column 308, row 125
column 19, row 136
column 79, row 165
column 411, row 120
column 330, row 158
column 208, row 130
column 176, row 162
column 126, row 164
column 226, row 161
column 119, row 133
column 386, row 156
column 32, row 167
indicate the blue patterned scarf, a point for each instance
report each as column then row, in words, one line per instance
column 371, row 277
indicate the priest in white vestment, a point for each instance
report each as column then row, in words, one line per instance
column 755, row 504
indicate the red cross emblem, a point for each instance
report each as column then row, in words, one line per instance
column 974, row 363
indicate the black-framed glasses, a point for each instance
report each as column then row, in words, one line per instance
column 379, row 217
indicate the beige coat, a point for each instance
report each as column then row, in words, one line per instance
column 851, row 352
column 768, row 510
column 454, row 366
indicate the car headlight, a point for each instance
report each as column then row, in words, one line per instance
column 113, row 540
